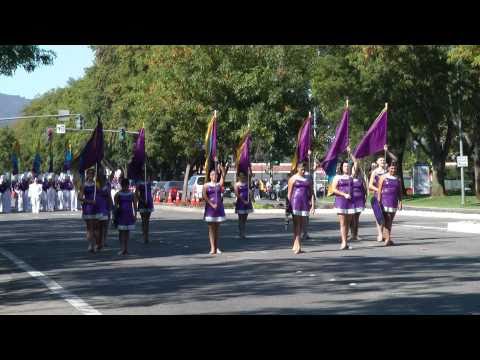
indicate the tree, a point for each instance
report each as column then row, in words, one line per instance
column 26, row 56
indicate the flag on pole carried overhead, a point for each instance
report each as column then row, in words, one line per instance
column 243, row 154
column 15, row 157
column 338, row 146
column 134, row 169
column 92, row 153
column 37, row 160
column 375, row 138
column 304, row 142
column 211, row 145
column 67, row 163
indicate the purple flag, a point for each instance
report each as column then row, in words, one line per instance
column 375, row 138
column 338, row 146
column 243, row 154
column 135, row 166
column 92, row 153
column 304, row 142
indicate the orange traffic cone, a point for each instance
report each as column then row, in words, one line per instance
column 169, row 200
column 177, row 200
column 194, row 200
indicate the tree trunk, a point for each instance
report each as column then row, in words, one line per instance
column 185, row 181
column 438, row 179
column 476, row 167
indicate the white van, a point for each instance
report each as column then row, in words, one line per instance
column 195, row 186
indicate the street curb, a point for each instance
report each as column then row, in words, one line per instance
column 413, row 213
column 464, row 227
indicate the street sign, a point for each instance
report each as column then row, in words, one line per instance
column 60, row 128
column 462, row 161
column 63, row 115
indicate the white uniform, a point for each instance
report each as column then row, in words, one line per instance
column 51, row 194
column 35, row 192
column 66, row 196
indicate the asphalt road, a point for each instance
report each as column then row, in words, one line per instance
column 45, row 269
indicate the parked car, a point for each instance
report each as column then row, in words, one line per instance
column 174, row 187
column 195, row 186
column 228, row 189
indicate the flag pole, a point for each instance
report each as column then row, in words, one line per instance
column 215, row 158
column 385, row 151
column 145, row 151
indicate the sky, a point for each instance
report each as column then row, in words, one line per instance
column 70, row 62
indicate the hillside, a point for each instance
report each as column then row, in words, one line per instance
column 11, row 105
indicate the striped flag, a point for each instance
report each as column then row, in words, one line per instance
column 211, row 145
column 338, row 146
column 243, row 154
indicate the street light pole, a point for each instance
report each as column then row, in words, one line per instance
column 462, row 179
column 314, row 154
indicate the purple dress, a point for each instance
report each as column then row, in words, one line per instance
column 390, row 191
column 214, row 194
column 345, row 185
column 358, row 195
column 103, row 207
column 126, row 215
column 300, row 199
column 142, row 206
column 240, row 207
column 89, row 211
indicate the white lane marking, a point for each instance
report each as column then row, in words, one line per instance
column 53, row 286
column 424, row 227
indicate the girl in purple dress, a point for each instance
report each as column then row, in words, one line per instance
column 89, row 209
column 104, row 206
column 214, row 211
column 390, row 197
column 379, row 171
column 243, row 206
column 359, row 195
column 299, row 194
column 126, row 214
column 343, row 189
column 144, row 206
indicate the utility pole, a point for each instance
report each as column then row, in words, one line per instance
column 314, row 154
column 462, row 179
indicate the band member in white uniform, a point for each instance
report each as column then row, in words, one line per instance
column 51, row 193
column 35, row 192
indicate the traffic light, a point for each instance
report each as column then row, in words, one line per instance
column 79, row 122
column 122, row 134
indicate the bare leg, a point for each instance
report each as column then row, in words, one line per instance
column 125, row 241
column 354, row 226
column 217, row 237
column 300, row 226
column 211, row 237
column 388, row 228
column 295, row 231
column 344, row 225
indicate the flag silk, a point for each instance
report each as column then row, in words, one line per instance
column 134, row 170
column 37, row 162
column 92, row 153
column 375, row 138
column 67, row 164
column 15, row 156
column 304, row 143
column 210, row 146
column 243, row 154
column 50, row 157
column 338, row 146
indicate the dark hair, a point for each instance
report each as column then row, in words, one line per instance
column 340, row 167
column 393, row 163
column 124, row 183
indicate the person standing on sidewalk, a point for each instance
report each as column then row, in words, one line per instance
column 214, row 212
column 390, row 197
column 243, row 205
column 342, row 186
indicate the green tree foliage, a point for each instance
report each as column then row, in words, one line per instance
column 26, row 56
